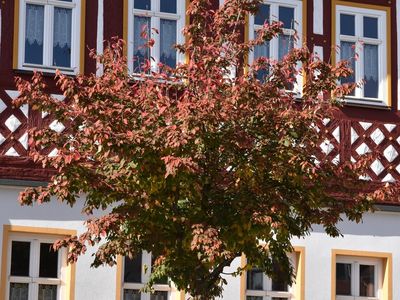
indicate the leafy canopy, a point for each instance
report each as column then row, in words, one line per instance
column 193, row 164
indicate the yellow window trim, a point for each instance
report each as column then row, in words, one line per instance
column 387, row 9
column 300, row 271
column 386, row 264
column 82, row 37
column 57, row 232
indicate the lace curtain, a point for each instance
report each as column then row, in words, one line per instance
column 167, row 41
column 62, row 27
column 34, row 24
column 371, row 72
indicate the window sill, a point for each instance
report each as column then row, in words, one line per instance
column 366, row 102
column 46, row 71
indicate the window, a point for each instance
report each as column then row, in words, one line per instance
column 361, row 33
column 136, row 273
column 289, row 13
column 32, row 269
column 260, row 287
column 168, row 17
column 49, row 35
column 358, row 278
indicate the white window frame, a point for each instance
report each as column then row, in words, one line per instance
column 358, row 39
column 34, row 259
column 47, row 65
column 274, row 43
column 268, row 293
column 145, row 276
column 155, row 16
column 355, row 279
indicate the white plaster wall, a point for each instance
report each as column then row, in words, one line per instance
column 90, row 283
column 379, row 232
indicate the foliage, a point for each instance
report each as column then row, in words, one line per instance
column 193, row 164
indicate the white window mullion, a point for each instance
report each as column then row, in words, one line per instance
column 274, row 43
column 155, row 50
column 47, row 38
column 34, row 268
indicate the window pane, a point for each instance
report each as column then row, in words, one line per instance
column 19, row 291
column 343, row 279
column 141, row 52
column 255, row 279
column 286, row 16
column 261, row 51
column 133, row 269
column 371, row 27
column 62, row 37
column 347, row 25
column 254, row 298
column 48, row 266
column 20, row 254
column 168, row 6
column 347, row 52
column 47, row 292
column 367, row 281
column 279, row 282
column 168, row 40
column 371, row 72
column 34, row 34
column 285, row 45
column 262, row 15
column 131, row 295
column 159, row 296
column 142, row 4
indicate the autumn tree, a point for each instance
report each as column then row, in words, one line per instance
column 204, row 162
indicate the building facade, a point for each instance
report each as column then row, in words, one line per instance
column 51, row 34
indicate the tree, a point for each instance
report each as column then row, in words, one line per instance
column 195, row 165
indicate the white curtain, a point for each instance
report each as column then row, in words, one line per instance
column 62, row 27
column 19, row 291
column 47, row 292
column 131, row 295
column 167, row 41
column 34, row 23
column 261, row 50
column 285, row 45
column 371, row 72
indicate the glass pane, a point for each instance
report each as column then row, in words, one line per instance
column 279, row 298
column 286, row 43
column 371, row 27
column 286, row 16
column 279, row 282
column 168, row 40
column 262, row 15
column 159, row 296
column 367, row 281
column 131, row 295
column 47, row 292
column 262, row 51
column 343, row 279
column 133, row 269
column 371, row 72
column 20, row 254
column 168, row 6
column 142, row 4
column 34, row 34
column 254, row 298
column 62, row 37
column 347, row 52
column 48, row 266
column 347, row 24
column 255, row 279
column 141, row 52
column 19, row 291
